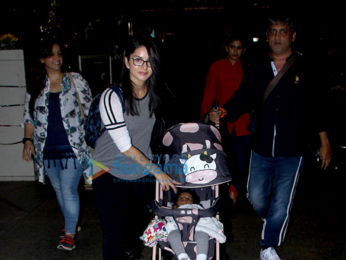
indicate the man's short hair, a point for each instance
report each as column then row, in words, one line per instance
column 282, row 19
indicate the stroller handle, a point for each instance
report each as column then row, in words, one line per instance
column 164, row 211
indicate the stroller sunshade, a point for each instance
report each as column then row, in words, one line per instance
column 194, row 155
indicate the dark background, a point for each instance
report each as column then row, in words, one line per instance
column 190, row 34
column 194, row 31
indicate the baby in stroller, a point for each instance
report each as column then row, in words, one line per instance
column 194, row 157
column 206, row 227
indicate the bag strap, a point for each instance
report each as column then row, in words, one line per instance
column 276, row 79
column 79, row 103
column 119, row 92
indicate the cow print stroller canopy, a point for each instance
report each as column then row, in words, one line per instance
column 194, row 155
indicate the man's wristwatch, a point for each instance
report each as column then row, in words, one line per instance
column 26, row 139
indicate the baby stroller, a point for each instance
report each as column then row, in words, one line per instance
column 194, row 157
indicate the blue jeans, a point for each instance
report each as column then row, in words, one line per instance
column 271, row 187
column 65, row 182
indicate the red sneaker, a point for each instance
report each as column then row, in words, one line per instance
column 66, row 243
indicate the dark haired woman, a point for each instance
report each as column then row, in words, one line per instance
column 121, row 193
column 223, row 79
column 53, row 132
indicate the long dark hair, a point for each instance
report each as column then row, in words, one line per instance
column 152, row 82
column 242, row 39
column 37, row 74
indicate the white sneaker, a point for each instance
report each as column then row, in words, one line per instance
column 183, row 256
column 269, row 254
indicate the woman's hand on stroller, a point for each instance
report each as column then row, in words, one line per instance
column 166, row 182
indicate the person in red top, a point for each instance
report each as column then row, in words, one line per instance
column 223, row 80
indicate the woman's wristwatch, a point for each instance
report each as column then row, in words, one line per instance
column 26, row 139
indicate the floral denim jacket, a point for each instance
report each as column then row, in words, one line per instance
column 71, row 115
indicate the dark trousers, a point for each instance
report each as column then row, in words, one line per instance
column 236, row 148
column 123, row 212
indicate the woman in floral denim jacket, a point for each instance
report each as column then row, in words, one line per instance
column 54, row 134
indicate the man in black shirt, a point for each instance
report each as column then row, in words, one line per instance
column 279, row 136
